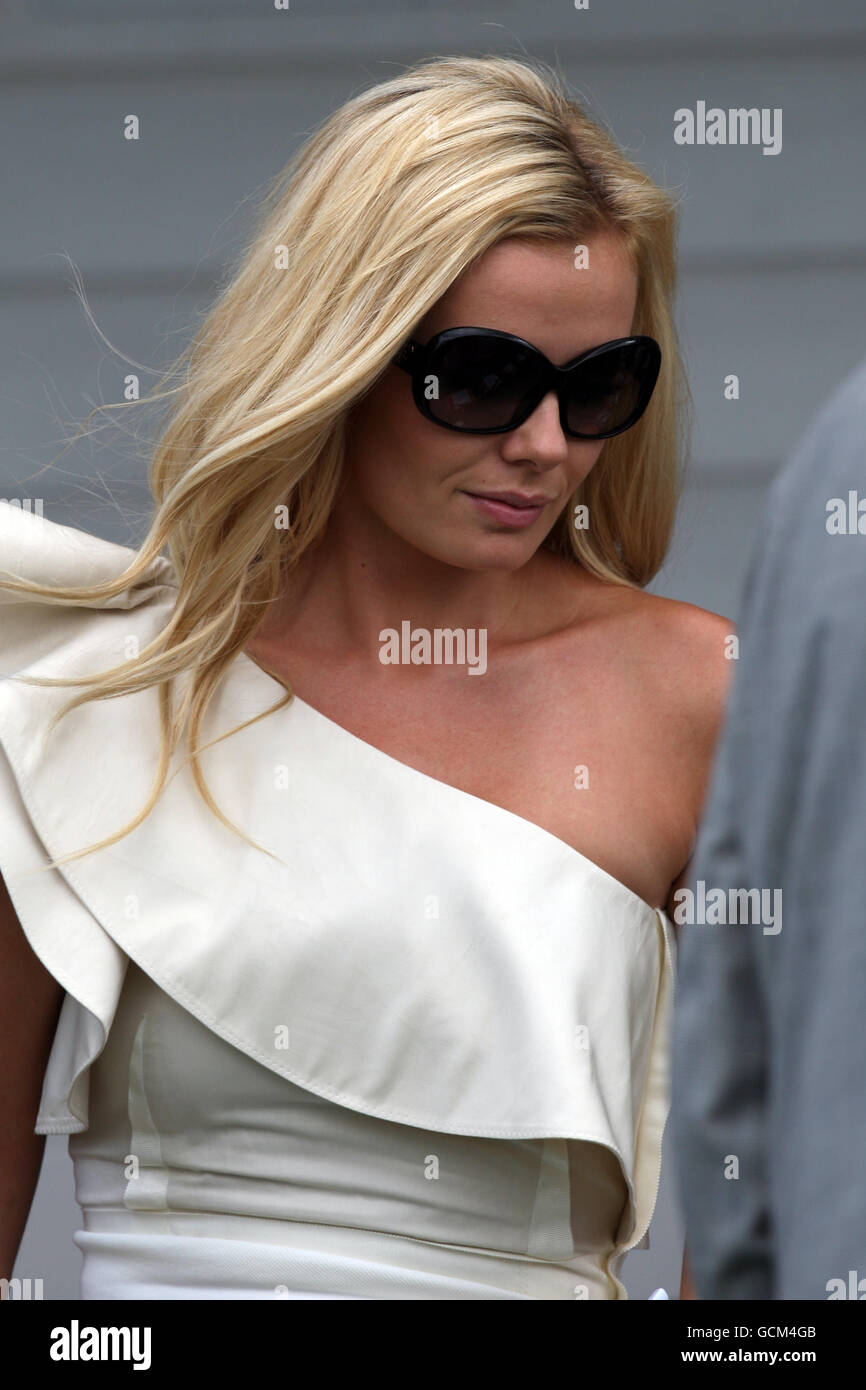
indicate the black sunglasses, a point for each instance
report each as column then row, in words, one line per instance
column 481, row 381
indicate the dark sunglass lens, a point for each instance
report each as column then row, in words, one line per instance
column 612, row 389
column 478, row 383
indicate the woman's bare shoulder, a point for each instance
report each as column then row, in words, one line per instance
column 683, row 623
column 681, row 626
column 683, row 653
column 688, row 655
column 673, row 650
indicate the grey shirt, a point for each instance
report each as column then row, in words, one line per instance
column 768, row 1113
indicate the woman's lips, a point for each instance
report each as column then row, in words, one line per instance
column 505, row 512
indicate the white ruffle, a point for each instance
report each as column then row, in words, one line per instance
column 420, row 955
column 45, row 639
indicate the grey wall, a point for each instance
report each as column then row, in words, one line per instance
column 773, row 260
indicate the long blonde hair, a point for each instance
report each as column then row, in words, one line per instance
column 370, row 222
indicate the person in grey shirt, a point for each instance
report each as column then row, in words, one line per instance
column 768, row 1112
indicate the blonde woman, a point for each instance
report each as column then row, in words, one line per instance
column 338, row 889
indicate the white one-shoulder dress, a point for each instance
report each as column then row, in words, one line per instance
column 420, row 1053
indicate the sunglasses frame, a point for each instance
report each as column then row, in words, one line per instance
column 414, row 357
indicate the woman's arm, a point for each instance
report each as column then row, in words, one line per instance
column 687, row 1288
column 30, row 1000
column 713, row 687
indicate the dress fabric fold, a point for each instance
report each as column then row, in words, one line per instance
column 419, row 1051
